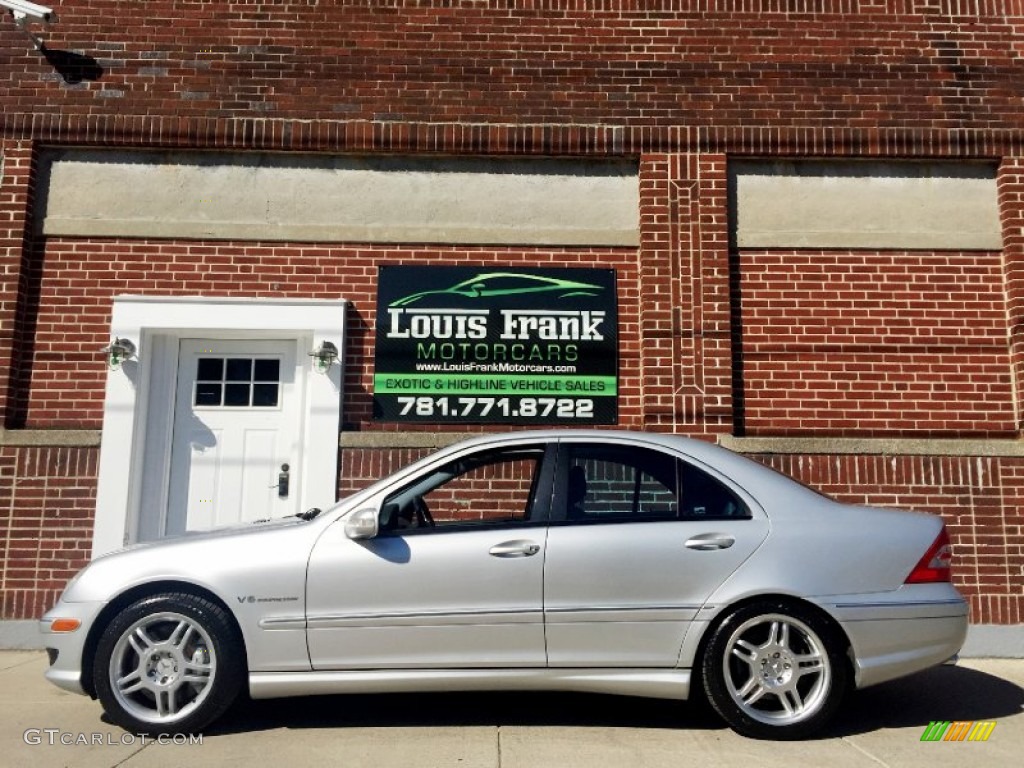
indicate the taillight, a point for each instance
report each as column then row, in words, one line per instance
column 934, row 566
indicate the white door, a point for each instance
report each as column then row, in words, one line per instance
column 237, row 431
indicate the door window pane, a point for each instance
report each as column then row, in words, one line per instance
column 612, row 484
column 607, row 483
column 494, row 488
column 236, row 395
column 207, row 393
column 264, row 395
column 237, row 382
column 238, row 369
column 210, row 369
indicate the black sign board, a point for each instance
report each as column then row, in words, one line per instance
column 496, row 345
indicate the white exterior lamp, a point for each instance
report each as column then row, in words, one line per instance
column 118, row 351
column 324, row 356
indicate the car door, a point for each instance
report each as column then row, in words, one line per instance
column 454, row 577
column 639, row 539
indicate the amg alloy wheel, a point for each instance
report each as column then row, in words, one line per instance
column 775, row 671
column 168, row 664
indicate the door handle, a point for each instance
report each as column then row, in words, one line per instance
column 283, row 482
column 709, row 541
column 517, row 548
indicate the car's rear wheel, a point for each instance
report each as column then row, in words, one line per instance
column 169, row 663
column 775, row 671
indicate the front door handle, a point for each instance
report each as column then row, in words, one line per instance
column 709, row 541
column 517, row 548
column 283, row 482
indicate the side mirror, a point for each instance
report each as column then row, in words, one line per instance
column 362, row 524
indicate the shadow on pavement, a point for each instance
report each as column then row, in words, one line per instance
column 943, row 693
column 463, row 709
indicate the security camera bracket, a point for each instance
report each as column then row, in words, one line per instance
column 24, row 12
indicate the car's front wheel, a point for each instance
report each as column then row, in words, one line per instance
column 169, row 663
column 775, row 671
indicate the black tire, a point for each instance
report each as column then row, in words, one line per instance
column 774, row 670
column 169, row 663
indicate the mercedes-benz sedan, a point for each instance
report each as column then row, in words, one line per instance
column 612, row 562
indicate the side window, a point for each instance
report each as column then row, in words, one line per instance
column 612, row 484
column 705, row 496
column 493, row 488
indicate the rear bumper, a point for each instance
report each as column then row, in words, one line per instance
column 915, row 628
column 886, row 650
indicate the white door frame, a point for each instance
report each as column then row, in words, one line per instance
column 138, row 409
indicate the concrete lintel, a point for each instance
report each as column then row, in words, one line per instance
column 90, row 438
column 63, row 438
column 385, row 440
column 874, row 446
column 339, row 198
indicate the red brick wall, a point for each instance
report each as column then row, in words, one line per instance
column 77, row 280
column 45, row 524
column 836, row 63
column 681, row 84
column 868, row 343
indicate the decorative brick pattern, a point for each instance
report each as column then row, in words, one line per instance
column 15, row 197
column 684, row 295
column 1011, row 212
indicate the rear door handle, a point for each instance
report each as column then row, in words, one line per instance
column 516, row 548
column 709, row 541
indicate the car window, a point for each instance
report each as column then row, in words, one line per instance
column 706, row 496
column 495, row 488
column 616, row 484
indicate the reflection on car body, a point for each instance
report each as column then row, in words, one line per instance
column 614, row 562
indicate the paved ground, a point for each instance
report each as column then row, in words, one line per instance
column 879, row 727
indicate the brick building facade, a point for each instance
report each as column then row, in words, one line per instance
column 879, row 360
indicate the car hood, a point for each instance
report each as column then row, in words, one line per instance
column 241, row 529
column 212, row 559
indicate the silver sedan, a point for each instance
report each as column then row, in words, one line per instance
column 613, row 562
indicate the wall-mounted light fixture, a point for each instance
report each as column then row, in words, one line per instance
column 324, row 356
column 118, row 351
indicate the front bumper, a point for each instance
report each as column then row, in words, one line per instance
column 66, row 649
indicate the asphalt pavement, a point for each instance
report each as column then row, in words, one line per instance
column 41, row 726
